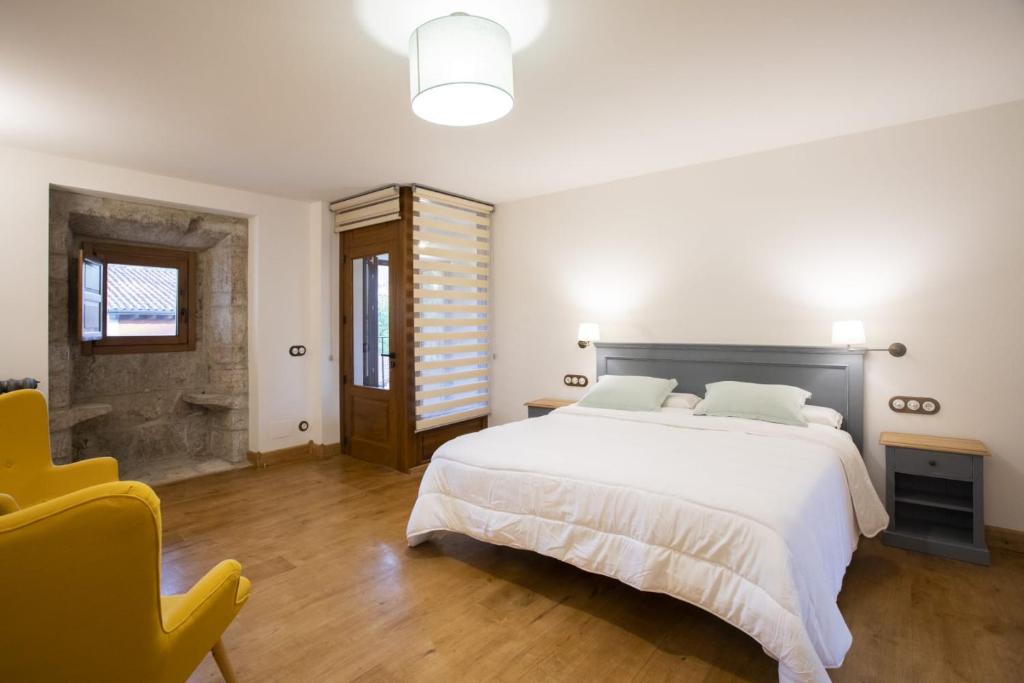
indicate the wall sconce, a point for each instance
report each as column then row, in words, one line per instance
column 849, row 333
column 589, row 332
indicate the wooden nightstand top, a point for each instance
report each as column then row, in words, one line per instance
column 944, row 444
column 549, row 403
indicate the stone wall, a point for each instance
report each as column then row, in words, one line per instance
column 151, row 429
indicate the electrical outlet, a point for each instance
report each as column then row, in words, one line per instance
column 576, row 380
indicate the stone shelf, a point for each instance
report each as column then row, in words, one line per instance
column 214, row 401
column 66, row 418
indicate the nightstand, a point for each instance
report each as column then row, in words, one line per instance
column 542, row 406
column 934, row 495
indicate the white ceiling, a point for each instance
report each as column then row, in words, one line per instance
column 296, row 98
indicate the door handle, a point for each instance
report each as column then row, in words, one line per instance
column 388, row 355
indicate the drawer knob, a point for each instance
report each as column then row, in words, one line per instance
column 932, row 463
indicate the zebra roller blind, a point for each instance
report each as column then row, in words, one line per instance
column 451, row 287
column 377, row 206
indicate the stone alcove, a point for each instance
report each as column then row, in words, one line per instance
column 164, row 416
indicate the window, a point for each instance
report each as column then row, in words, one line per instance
column 372, row 313
column 134, row 299
column 451, row 276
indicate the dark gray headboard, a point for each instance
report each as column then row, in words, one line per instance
column 833, row 375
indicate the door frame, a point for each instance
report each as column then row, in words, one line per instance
column 401, row 333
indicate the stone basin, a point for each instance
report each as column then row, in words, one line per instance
column 214, row 401
column 66, row 418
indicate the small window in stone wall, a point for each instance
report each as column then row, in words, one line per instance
column 135, row 299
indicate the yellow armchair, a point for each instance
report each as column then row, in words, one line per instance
column 80, row 593
column 27, row 472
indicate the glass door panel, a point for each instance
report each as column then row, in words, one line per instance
column 371, row 329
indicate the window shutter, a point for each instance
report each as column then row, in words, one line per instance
column 451, row 295
column 90, row 297
column 368, row 208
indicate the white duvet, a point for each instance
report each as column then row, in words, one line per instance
column 754, row 522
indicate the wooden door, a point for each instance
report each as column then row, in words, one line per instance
column 372, row 332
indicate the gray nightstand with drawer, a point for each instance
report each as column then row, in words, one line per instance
column 540, row 407
column 934, row 495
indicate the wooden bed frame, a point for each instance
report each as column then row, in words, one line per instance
column 834, row 376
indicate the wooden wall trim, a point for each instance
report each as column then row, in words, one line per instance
column 306, row 451
column 408, row 457
column 1007, row 539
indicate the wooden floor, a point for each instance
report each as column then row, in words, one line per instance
column 338, row 596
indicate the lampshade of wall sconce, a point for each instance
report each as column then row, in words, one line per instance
column 848, row 332
column 589, row 332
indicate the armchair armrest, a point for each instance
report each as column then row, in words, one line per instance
column 217, row 596
column 79, row 475
column 8, row 504
column 194, row 622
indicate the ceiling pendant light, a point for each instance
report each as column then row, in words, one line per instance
column 460, row 70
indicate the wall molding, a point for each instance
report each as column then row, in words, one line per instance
column 306, row 451
column 1005, row 539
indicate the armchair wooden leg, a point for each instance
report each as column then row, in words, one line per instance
column 220, row 655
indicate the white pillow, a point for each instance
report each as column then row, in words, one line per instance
column 628, row 392
column 819, row 415
column 778, row 403
column 823, row 416
column 681, row 401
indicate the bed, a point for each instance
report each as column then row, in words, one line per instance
column 752, row 521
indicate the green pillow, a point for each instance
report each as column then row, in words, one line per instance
column 767, row 402
column 625, row 392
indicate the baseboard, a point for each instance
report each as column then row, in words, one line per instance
column 1005, row 539
column 305, row 451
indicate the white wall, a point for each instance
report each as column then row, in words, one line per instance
column 918, row 230
column 285, row 274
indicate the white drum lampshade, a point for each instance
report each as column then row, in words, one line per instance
column 460, row 70
column 848, row 332
column 588, row 332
